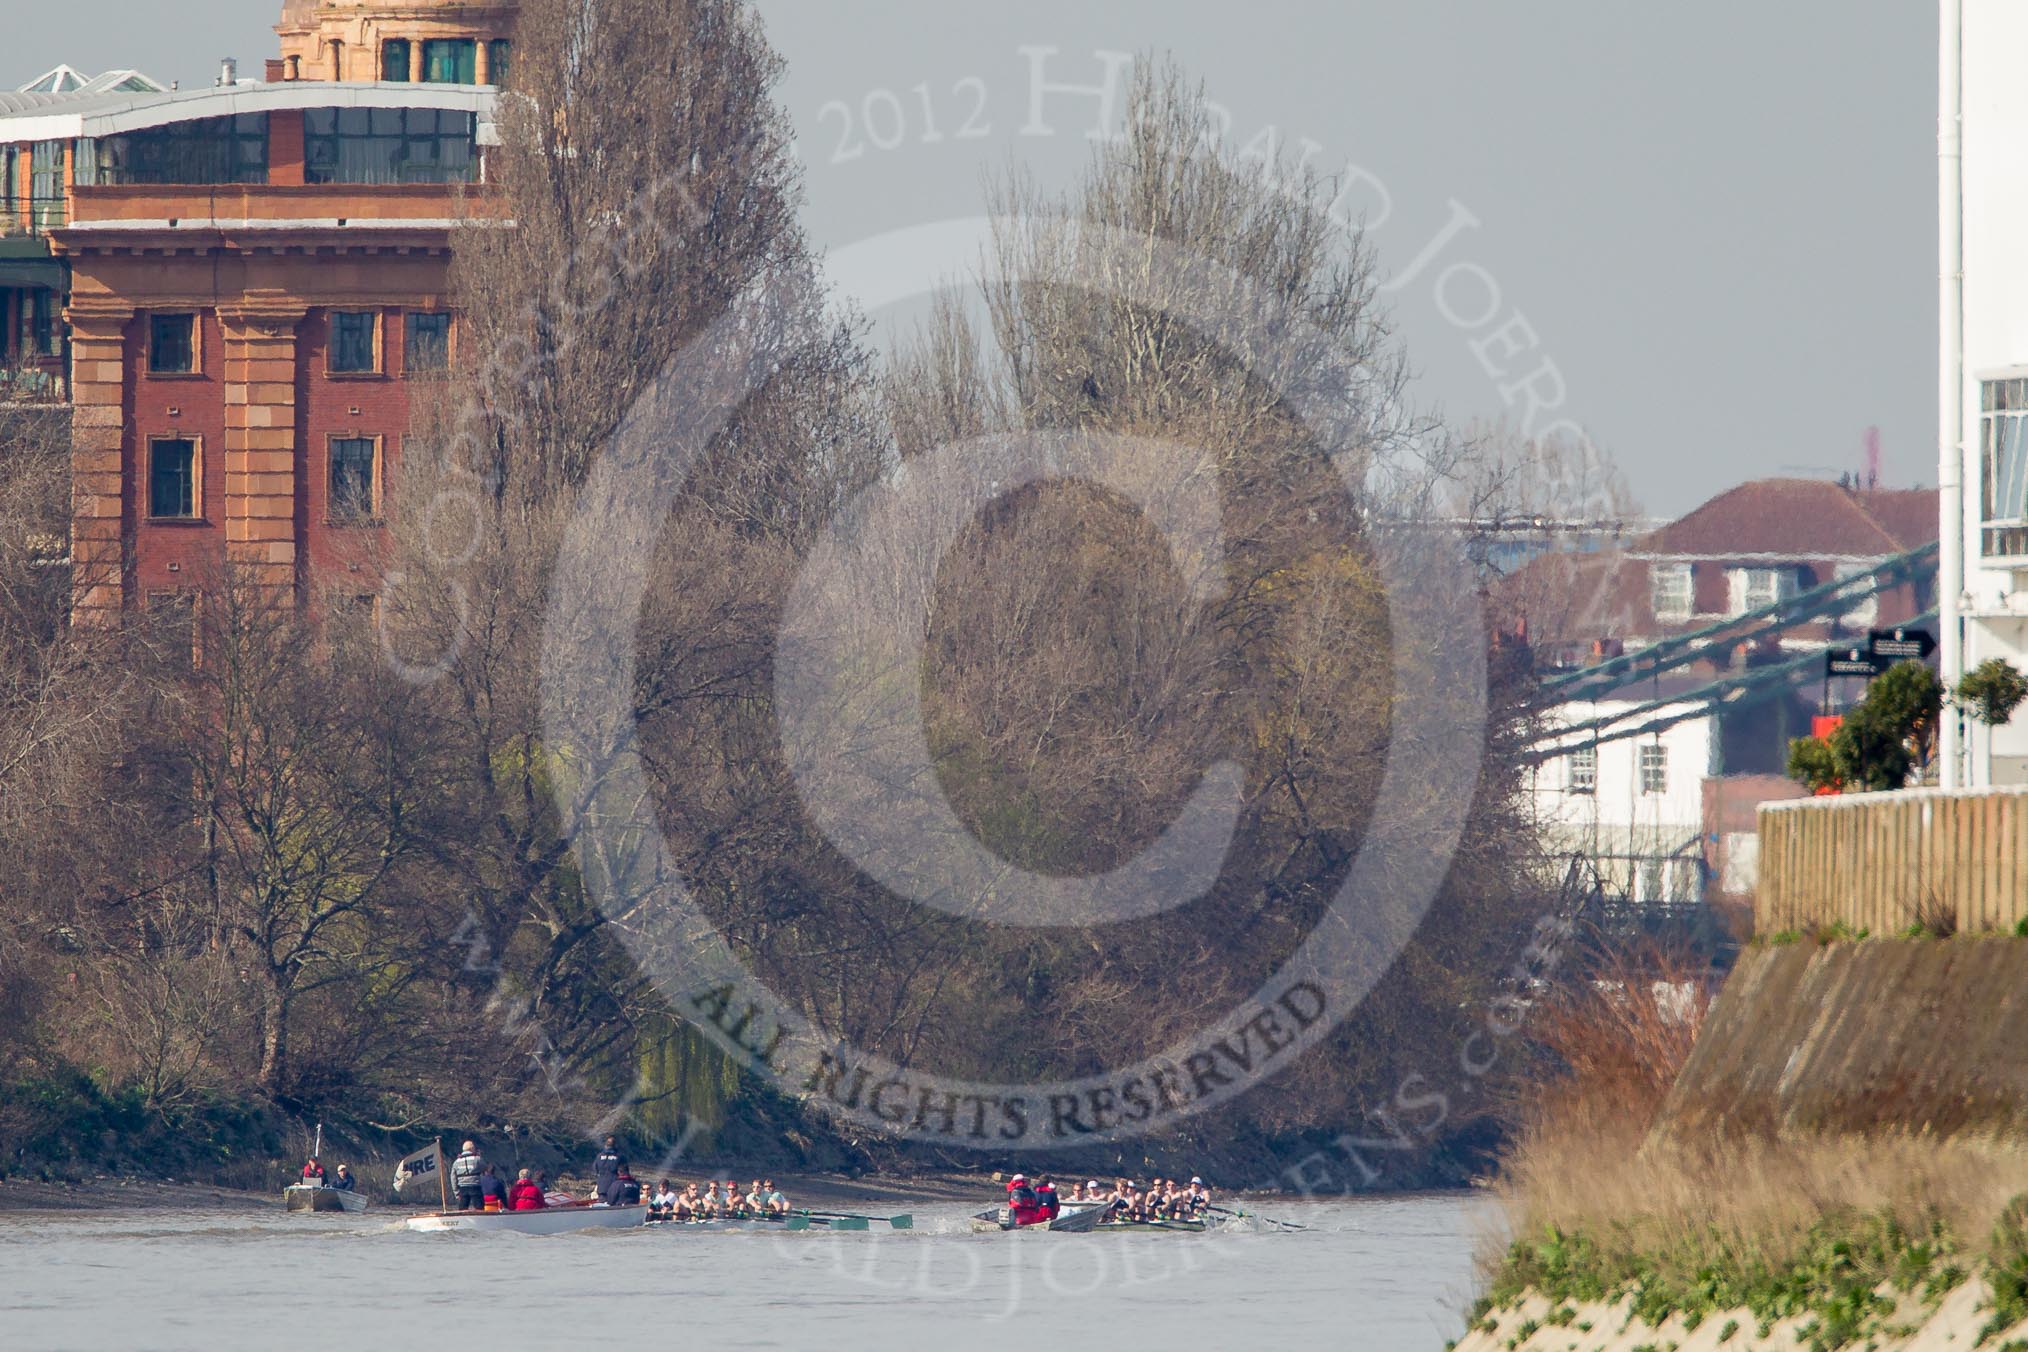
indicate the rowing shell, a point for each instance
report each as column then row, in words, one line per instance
column 1181, row 1227
column 554, row 1220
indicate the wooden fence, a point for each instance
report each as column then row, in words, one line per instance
column 1885, row 861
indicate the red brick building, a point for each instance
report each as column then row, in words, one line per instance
column 252, row 281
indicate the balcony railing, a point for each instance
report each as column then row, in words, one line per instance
column 23, row 216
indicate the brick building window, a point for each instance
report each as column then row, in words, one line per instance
column 1669, row 585
column 172, row 623
column 355, row 342
column 172, row 477
column 1584, row 770
column 1757, row 588
column 44, row 338
column 208, row 150
column 172, row 345
column 451, row 61
column 394, row 60
column 1654, row 768
column 389, row 145
column 499, row 60
column 353, row 461
column 426, row 341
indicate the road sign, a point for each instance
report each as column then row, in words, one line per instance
column 1852, row 662
column 1900, row 645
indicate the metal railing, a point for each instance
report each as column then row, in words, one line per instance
column 20, row 216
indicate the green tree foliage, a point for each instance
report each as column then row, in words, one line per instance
column 1881, row 739
column 1992, row 691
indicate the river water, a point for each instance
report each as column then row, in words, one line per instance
column 1380, row 1275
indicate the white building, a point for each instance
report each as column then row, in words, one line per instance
column 1983, row 371
column 1633, row 805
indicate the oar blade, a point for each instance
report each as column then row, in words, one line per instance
column 798, row 1222
column 902, row 1222
column 851, row 1223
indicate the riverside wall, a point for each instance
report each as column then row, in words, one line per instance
column 1884, row 1034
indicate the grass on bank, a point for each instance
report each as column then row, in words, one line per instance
column 1817, row 1227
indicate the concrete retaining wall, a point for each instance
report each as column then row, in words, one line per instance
column 1899, row 1034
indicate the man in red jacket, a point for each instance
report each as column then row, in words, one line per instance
column 524, row 1194
column 1023, row 1203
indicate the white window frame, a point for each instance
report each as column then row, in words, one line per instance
column 1676, row 573
column 1581, row 770
column 2003, row 506
column 1651, row 768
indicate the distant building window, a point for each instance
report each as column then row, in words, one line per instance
column 1648, row 879
column 172, row 621
column 45, row 184
column 426, row 342
column 1671, row 592
column 352, row 478
column 1758, row 588
column 353, row 349
column 172, row 345
column 451, row 61
column 389, row 145
column 172, row 477
column 499, row 60
column 44, row 338
column 2003, row 464
column 1683, row 880
column 1584, row 770
column 1654, row 766
column 394, row 60
column 209, row 150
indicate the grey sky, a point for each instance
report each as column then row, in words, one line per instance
column 1718, row 220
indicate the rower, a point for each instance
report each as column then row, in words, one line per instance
column 662, row 1206
column 777, row 1205
column 1200, row 1196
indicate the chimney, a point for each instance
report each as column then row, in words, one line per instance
column 228, row 73
column 295, row 68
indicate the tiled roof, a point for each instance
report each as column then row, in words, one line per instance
column 1799, row 519
column 1563, row 595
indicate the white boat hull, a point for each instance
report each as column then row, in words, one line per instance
column 553, row 1220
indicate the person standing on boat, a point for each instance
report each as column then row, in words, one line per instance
column 525, row 1194
column 1046, row 1200
column 465, row 1171
column 606, row 1167
column 313, row 1173
column 344, row 1181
